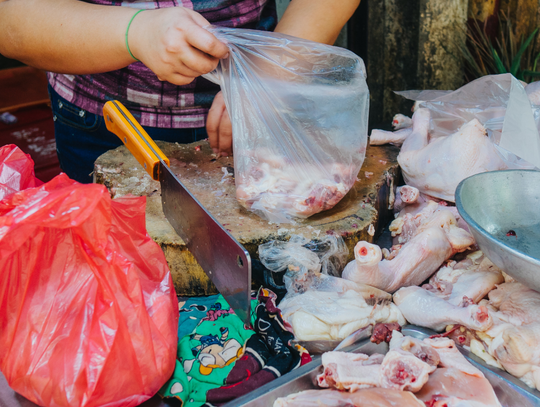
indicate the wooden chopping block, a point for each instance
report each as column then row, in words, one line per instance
column 358, row 216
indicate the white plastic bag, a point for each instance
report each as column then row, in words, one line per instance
column 501, row 105
column 299, row 112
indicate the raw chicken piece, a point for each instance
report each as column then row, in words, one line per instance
column 451, row 387
column 383, row 332
column 433, row 215
column 400, row 121
column 438, row 167
column 414, row 263
column 320, row 315
column 517, row 303
column 516, row 348
column 274, row 191
column 364, row 398
column 424, row 352
column 349, row 371
column 380, row 137
column 451, row 357
column 464, row 282
column 423, row 308
column 405, row 195
column 401, row 370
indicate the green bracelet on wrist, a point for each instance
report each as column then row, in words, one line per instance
column 127, row 30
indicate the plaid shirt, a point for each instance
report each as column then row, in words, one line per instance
column 152, row 102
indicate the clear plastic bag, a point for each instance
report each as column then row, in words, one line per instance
column 299, row 112
column 501, row 105
column 88, row 311
column 327, row 255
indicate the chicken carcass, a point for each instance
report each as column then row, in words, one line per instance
column 437, row 166
column 374, row 397
column 422, row 307
column 414, row 263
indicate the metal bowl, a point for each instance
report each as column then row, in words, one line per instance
column 502, row 209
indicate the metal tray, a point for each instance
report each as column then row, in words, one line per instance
column 510, row 390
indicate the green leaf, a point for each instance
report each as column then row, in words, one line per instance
column 516, row 62
column 498, row 63
column 531, row 73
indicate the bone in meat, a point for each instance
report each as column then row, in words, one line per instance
column 374, row 397
column 450, row 356
column 414, row 263
column 437, row 168
column 422, row 351
column 423, row 308
column 349, row 371
column 401, row 370
column 380, row 137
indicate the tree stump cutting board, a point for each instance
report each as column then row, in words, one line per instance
column 359, row 216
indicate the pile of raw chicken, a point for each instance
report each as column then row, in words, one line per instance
column 416, row 373
column 439, row 280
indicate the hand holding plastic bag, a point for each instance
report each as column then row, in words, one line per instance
column 299, row 112
column 88, row 312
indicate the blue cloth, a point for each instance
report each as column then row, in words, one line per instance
column 81, row 137
column 191, row 313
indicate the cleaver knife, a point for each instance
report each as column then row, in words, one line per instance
column 224, row 260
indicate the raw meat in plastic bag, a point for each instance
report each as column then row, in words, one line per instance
column 16, row 171
column 88, row 311
column 500, row 103
column 299, row 112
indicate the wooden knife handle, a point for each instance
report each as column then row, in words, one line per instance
column 122, row 123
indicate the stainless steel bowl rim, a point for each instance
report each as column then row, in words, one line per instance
column 470, row 221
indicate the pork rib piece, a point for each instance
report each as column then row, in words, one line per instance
column 438, row 167
column 365, row 398
column 423, row 308
column 414, row 263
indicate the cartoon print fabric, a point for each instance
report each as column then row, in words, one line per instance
column 222, row 359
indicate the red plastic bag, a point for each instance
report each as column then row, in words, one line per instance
column 88, row 311
column 16, row 171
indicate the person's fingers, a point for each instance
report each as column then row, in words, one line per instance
column 177, row 78
column 213, row 121
column 225, row 134
column 198, row 61
column 205, row 41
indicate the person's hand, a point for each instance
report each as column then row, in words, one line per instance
column 219, row 127
column 174, row 45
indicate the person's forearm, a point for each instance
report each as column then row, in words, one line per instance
column 316, row 20
column 67, row 36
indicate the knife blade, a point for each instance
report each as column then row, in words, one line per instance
column 226, row 262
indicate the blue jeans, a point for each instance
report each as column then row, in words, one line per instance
column 81, row 137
